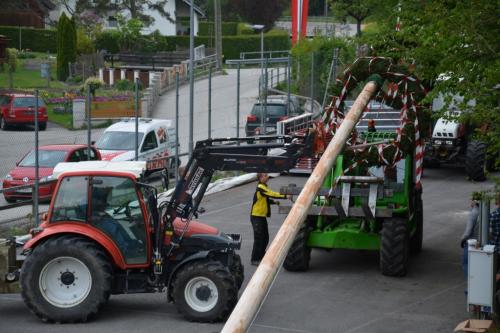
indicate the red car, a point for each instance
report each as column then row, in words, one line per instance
column 48, row 157
column 19, row 109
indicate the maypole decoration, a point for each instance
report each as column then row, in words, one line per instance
column 402, row 91
column 300, row 10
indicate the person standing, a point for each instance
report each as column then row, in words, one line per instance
column 261, row 209
column 470, row 230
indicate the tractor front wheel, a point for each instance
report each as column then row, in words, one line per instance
column 299, row 255
column 237, row 270
column 475, row 161
column 205, row 291
column 394, row 247
column 66, row 279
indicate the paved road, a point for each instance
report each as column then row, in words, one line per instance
column 342, row 292
column 223, row 105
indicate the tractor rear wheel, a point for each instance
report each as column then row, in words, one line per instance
column 394, row 247
column 417, row 238
column 205, row 291
column 237, row 270
column 475, row 161
column 299, row 255
column 66, row 279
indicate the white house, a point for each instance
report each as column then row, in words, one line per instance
column 178, row 24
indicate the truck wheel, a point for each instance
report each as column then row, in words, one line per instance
column 475, row 161
column 394, row 247
column 66, row 279
column 416, row 239
column 297, row 259
column 42, row 126
column 205, row 291
column 237, row 270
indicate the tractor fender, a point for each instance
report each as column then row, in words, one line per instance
column 197, row 256
column 84, row 231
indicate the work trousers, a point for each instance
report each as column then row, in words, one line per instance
column 260, row 237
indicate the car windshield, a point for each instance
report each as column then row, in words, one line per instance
column 27, row 102
column 46, row 158
column 273, row 110
column 118, row 140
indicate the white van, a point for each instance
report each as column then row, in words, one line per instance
column 156, row 142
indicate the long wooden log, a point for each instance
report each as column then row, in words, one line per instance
column 258, row 287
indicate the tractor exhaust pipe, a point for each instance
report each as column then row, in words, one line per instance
column 252, row 298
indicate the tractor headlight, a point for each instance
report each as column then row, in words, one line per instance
column 438, row 142
column 449, row 142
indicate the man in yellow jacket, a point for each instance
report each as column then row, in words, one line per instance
column 261, row 208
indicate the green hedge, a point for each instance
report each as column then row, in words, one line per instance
column 244, row 29
column 231, row 45
column 38, row 40
column 208, row 29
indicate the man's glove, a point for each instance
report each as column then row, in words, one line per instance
column 462, row 243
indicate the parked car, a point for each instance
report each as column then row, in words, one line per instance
column 276, row 110
column 19, row 109
column 48, row 157
column 156, row 140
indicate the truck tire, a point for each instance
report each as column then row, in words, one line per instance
column 394, row 247
column 417, row 237
column 66, row 279
column 205, row 291
column 237, row 270
column 475, row 161
column 42, row 126
column 299, row 255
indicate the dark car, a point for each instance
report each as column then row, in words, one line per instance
column 19, row 109
column 48, row 157
column 275, row 110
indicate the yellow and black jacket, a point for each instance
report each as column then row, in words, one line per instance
column 262, row 200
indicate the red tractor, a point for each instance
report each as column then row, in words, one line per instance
column 106, row 234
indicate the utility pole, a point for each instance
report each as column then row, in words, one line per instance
column 218, row 34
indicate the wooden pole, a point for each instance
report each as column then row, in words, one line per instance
column 258, row 287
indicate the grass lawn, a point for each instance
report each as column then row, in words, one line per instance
column 29, row 79
column 65, row 120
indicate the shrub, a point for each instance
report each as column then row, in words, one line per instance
column 124, row 85
column 244, row 29
column 84, row 44
column 38, row 40
column 108, row 40
column 26, row 55
column 208, row 28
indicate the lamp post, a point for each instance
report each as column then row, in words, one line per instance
column 260, row 27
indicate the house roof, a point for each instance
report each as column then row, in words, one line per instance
column 196, row 8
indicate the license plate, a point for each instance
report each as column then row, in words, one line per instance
column 24, row 190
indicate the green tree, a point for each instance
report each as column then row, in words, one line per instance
column 66, row 46
column 263, row 12
column 11, row 61
column 454, row 40
column 359, row 10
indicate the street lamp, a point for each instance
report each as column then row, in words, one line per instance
column 260, row 27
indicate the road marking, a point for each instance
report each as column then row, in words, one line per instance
column 282, row 328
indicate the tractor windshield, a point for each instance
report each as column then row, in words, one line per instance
column 71, row 200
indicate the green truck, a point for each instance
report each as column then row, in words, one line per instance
column 363, row 208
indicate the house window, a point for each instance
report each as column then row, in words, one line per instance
column 112, row 22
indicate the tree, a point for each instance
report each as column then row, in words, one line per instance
column 263, row 12
column 66, row 46
column 11, row 60
column 134, row 9
column 357, row 9
column 455, row 40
